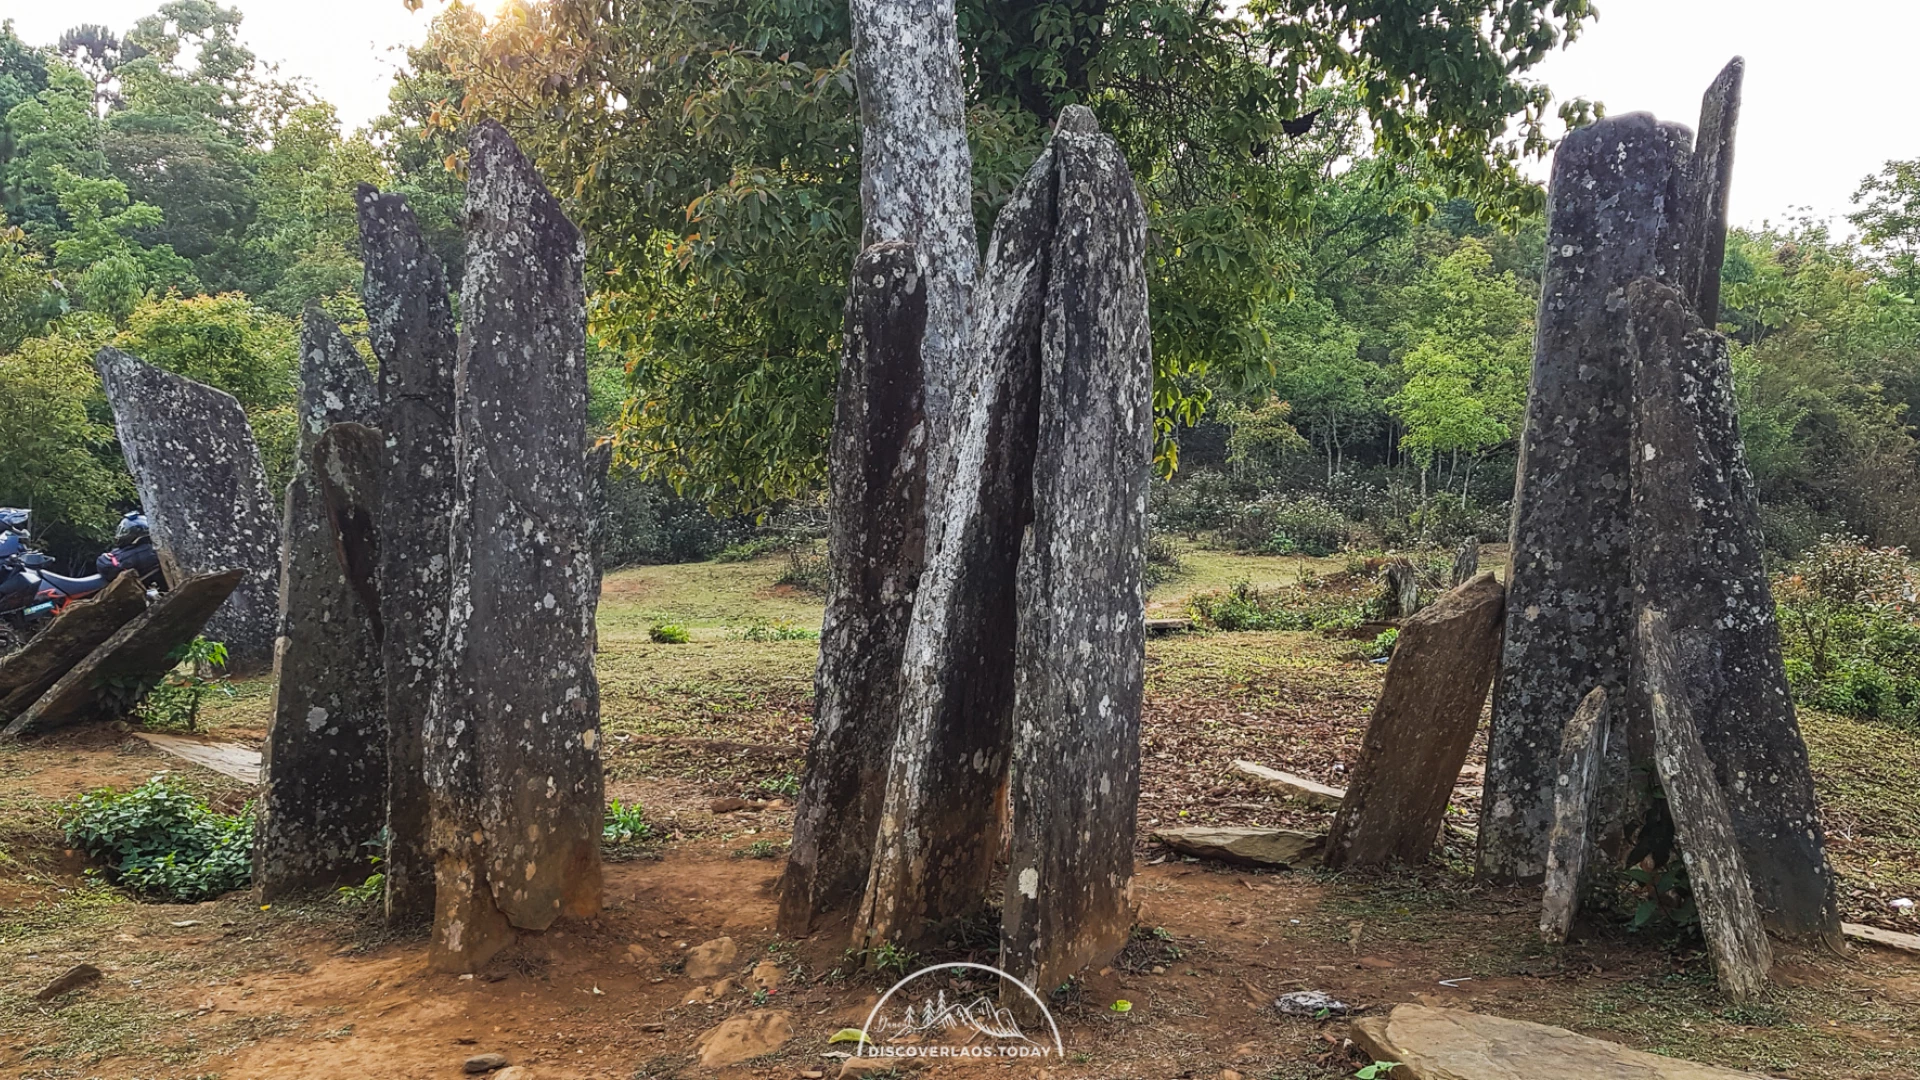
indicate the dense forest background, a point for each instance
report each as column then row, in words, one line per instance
column 1342, row 314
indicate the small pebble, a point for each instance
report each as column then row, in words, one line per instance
column 486, row 1063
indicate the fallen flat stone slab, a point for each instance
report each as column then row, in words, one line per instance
column 112, row 679
column 1892, row 939
column 228, row 759
column 1298, row 788
column 1451, row 1044
column 1245, row 847
column 77, row 631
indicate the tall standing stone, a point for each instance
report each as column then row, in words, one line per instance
column 1580, row 748
column 197, row 469
column 1081, row 645
column 1709, row 180
column 943, row 816
column 1421, row 729
column 875, row 551
column 324, row 761
column 410, row 324
column 513, row 736
column 1614, row 192
column 1700, row 557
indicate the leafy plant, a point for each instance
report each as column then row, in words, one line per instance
column 364, row 893
column 760, row 849
column 626, row 823
column 890, row 958
column 667, row 633
column 1376, row 1070
column 778, row 630
column 1244, row 607
column 159, row 840
column 1384, row 642
column 176, row 701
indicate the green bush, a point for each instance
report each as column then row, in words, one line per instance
column 1308, row 525
column 648, row 523
column 778, row 630
column 1244, row 607
column 748, row 550
column 806, row 570
column 625, row 824
column 1163, row 559
column 1848, row 629
column 1195, row 500
column 158, row 840
column 666, row 633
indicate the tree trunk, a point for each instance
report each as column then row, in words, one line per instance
column 513, row 738
column 1081, row 644
column 410, row 325
column 875, row 552
column 1699, row 557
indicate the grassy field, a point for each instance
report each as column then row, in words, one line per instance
column 228, row 989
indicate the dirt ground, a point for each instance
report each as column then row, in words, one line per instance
column 321, row 989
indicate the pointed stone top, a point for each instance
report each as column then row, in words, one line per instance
column 335, row 385
column 503, row 184
column 1077, row 120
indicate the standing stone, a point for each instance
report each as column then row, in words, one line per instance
column 944, row 814
column 1466, row 562
column 875, row 551
column 114, row 677
column 1616, row 185
column 513, row 736
column 75, row 632
column 1581, row 746
column 1699, row 557
column 410, row 324
column 1403, row 589
column 916, row 184
column 1421, row 729
column 325, row 755
column 1081, row 648
column 198, row 472
column 1704, row 831
column 1709, row 177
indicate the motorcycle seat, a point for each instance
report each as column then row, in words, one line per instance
column 72, row 585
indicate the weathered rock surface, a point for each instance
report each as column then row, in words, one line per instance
column 1421, row 729
column 1703, row 829
column 1580, row 748
column 228, row 759
column 1892, row 939
column 875, row 551
column 75, row 632
column 744, row 1037
column 1709, row 178
column 1615, row 189
column 410, row 325
column 326, row 748
column 1246, row 847
column 1288, row 786
column 1081, row 653
column 1452, row 1044
column 1700, row 558
column 1466, row 562
column 198, row 472
column 513, row 736
column 135, row 658
column 1403, row 589
column 711, row 958
column 942, row 820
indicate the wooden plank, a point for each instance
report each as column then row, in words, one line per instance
column 1892, row 939
column 1716, row 873
column 1581, row 748
column 227, row 759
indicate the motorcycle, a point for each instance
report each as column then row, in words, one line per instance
column 31, row 595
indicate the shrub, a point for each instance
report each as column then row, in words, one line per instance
column 748, row 550
column 806, row 571
column 666, row 633
column 1847, row 629
column 1194, row 501
column 625, row 824
column 778, row 630
column 1383, row 643
column 1309, row 525
column 160, row 841
column 1244, row 607
column 648, row 523
column 1163, row 559
column 176, row 701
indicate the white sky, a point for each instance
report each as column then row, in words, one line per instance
column 1829, row 93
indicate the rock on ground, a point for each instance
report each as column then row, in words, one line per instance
column 711, row 958
column 744, row 1037
column 1245, row 847
column 1452, row 1044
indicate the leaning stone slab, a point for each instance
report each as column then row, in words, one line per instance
column 1891, row 939
column 513, row 737
column 1612, row 201
column 115, row 676
column 326, row 748
column 1703, row 829
column 1580, row 748
column 1700, row 558
column 942, row 821
column 198, row 471
column 1288, row 786
column 1246, row 847
column 1080, row 660
column 77, row 631
column 410, row 325
column 876, row 549
column 1453, row 1044
column 1421, row 729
